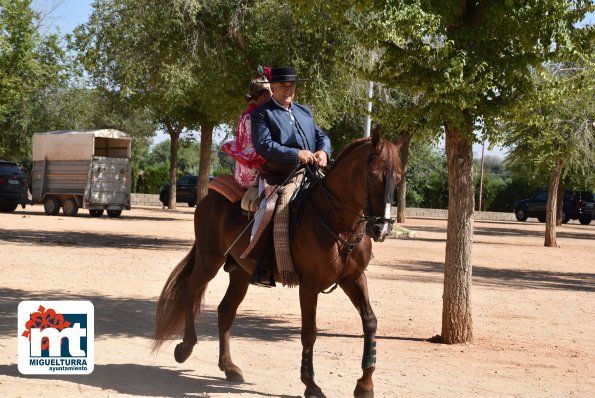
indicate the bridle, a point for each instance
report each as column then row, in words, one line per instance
column 366, row 220
column 389, row 188
column 354, row 237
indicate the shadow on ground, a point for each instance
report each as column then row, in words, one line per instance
column 133, row 317
column 148, row 381
column 433, row 271
column 482, row 231
column 90, row 239
column 567, row 231
column 125, row 217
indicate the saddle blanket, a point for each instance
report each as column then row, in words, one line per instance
column 227, row 186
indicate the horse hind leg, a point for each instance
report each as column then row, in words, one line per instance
column 184, row 349
column 239, row 281
column 357, row 292
column 175, row 307
column 204, row 271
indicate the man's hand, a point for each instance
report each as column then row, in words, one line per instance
column 305, row 156
column 321, row 158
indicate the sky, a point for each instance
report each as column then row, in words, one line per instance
column 65, row 15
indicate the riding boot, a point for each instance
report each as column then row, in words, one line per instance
column 230, row 264
column 263, row 275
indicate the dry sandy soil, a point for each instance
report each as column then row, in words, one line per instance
column 533, row 313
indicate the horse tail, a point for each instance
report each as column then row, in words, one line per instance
column 176, row 295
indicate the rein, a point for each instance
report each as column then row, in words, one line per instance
column 363, row 219
column 366, row 218
column 266, row 200
column 317, row 177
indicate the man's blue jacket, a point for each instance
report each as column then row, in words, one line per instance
column 277, row 137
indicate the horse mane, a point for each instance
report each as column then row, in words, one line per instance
column 388, row 155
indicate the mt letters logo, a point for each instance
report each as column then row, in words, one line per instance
column 56, row 337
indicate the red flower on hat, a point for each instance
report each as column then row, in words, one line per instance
column 267, row 72
column 264, row 71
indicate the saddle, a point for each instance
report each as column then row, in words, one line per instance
column 249, row 200
column 227, row 186
column 279, row 220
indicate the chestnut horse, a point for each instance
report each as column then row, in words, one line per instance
column 330, row 245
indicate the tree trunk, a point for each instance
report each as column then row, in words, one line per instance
column 174, row 130
column 457, row 323
column 402, row 187
column 560, row 205
column 551, row 205
column 204, row 165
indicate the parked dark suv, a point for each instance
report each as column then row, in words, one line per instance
column 13, row 187
column 583, row 206
column 576, row 205
column 185, row 190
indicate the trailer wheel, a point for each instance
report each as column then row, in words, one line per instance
column 51, row 205
column 70, row 208
column 96, row 212
column 114, row 213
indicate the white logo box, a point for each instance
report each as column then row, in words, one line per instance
column 78, row 359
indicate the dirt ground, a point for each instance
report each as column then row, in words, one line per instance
column 533, row 313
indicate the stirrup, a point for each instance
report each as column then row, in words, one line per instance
column 230, row 265
column 263, row 278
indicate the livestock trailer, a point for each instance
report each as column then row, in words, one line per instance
column 87, row 169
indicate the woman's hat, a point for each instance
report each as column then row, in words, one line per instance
column 285, row 74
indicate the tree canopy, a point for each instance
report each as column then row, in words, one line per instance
column 29, row 63
column 556, row 122
column 472, row 62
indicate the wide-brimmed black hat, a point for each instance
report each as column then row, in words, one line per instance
column 285, row 74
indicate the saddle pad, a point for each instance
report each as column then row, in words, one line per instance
column 227, row 186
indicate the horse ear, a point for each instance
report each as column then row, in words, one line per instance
column 400, row 140
column 376, row 136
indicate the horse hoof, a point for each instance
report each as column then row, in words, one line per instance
column 358, row 393
column 181, row 353
column 235, row 376
column 314, row 392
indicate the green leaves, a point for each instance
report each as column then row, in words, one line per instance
column 29, row 64
column 470, row 57
column 556, row 123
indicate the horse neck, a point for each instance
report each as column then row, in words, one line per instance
column 345, row 184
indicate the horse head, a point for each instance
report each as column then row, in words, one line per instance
column 384, row 171
column 360, row 187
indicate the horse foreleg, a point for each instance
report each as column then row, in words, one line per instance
column 308, row 302
column 239, row 281
column 357, row 291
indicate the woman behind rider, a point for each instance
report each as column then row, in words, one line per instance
column 248, row 163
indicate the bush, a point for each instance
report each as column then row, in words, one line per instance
column 151, row 179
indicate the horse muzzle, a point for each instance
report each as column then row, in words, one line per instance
column 378, row 228
column 379, row 231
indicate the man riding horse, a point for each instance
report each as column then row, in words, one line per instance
column 332, row 243
column 285, row 134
